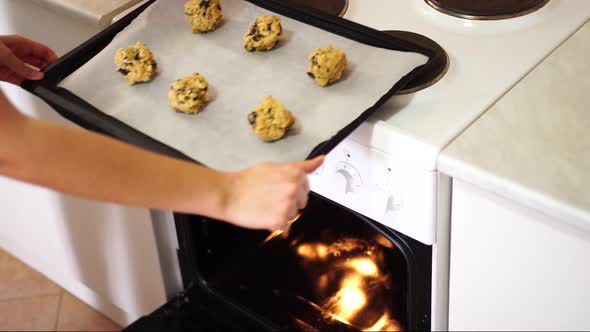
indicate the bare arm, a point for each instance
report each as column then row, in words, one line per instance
column 93, row 166
column 85, row 164
column 81, row 163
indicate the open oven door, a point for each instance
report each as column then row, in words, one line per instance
column 334, row 271
column 182, row 314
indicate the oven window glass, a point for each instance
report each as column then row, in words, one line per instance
column 333, row 271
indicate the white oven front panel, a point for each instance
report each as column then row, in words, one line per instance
column 381, row 187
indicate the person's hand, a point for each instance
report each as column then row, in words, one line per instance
column 268, row 196
column 16, row 53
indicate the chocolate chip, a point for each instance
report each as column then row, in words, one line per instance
column 252, row 118
column 218, row 7
column 254, row 30
column 123, row 71
column 204, row 4
column 136, row 57
column 256, row 33
column 270, row 113
column 311, row 74
column 314, row 61
column 154, row 64
column 195, row 98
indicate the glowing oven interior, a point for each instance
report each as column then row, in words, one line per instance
column 334, row 271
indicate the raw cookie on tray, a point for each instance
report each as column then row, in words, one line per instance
column 263, row 34
column 136, row 63
column 326, row 65
column 270, row 120
column 203, row 15
column 189, row 94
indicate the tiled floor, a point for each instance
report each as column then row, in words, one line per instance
column 29, row 301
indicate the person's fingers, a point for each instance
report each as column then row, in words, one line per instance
column 51, row 55
column 303, row 194
column 311, row 165
column 293, row 208
column 7, row 75
column 8, row 59
column 302, row 200
column 292, row 216
column 23, row 47
column 305, row 183
column 36, row 62
column 14, row 79
column 283, row 226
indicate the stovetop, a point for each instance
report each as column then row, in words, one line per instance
column 487, row 10
column 487, row 59
column 330, row 7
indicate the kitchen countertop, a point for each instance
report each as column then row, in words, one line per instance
column 533, row 145
column 99, row 13
column 487, row 58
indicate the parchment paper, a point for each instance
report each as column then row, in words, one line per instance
column 220, row 136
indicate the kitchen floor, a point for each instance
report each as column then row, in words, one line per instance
column 30, row 301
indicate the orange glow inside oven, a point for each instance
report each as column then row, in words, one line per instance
column 349, row 286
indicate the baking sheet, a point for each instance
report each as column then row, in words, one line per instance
column 220, row 136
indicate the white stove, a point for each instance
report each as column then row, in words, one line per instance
column 387, row 169
column 391, row 160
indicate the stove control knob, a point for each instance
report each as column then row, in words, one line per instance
column 352, row 178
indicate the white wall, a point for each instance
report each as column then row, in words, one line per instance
column 513, row 268
column 103, row 253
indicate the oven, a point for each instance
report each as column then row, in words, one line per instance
column 335, row 270
column 362, row 256
column 371, row 251
column 340, row 267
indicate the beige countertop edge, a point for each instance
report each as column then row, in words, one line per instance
column 505, row 188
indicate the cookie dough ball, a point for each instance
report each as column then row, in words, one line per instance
column 270, row 121
column 203, row 15
column 136, row 63
column 326, row 65
column 264, row 33
column 189, row 94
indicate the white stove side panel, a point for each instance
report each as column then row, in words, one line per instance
column 441, row 257
column 513, row 268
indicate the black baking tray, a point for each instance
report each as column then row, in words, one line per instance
column 87, row 116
